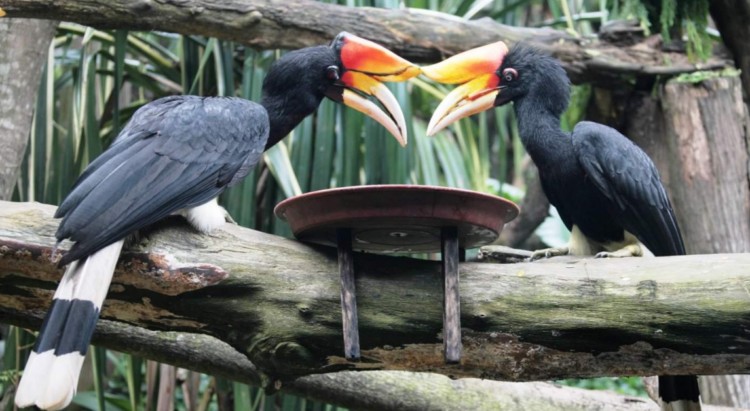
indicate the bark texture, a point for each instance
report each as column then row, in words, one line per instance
column 421, row 36
column 23, row 47
column 731, row 17
column 697, row 134
column 431, row 392
column 276, row 302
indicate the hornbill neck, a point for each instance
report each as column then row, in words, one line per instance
column 293, row 89
column 539, row 127
column 349, row 71
column 282, row 116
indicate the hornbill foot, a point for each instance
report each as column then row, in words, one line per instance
column 633, row 250
column 549, row 252
column 138, row 239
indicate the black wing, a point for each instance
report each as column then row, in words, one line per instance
column 629, row 179
column 176, row 152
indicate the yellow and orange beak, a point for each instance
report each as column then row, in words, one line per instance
column 476, row 69
column 365, row 65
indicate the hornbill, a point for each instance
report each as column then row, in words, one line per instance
column 606, row 189
column 175, row 156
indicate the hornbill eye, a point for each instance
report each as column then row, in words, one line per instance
column 509, row 75
column 332, row 73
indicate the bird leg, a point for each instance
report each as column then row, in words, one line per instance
column 137, row 239
column 549, row 252
column 631, row 250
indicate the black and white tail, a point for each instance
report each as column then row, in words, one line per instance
column 679, row 393
column 50, row 378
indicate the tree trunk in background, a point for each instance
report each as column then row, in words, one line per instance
column 730, row 390
column 23, row 48
column 731, row 17
column 697, row 134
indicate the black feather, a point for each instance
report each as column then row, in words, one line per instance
column 294, row 88
column 629, row 180
column 176, row 152
column 182, row 151
column 597, row 179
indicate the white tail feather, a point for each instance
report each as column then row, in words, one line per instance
column 37, row 368
column 62, row 382
column 92, row 281
column 49, row 380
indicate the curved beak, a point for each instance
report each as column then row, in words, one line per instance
column 365, row 66
column 476, row 69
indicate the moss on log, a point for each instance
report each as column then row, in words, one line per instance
column 277, row 302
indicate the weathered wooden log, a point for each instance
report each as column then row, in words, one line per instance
column 419, row 35
column 697, row 132
column 276, row 301
column 432, row 392
column 373, row 390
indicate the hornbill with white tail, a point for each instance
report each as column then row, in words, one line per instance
column 606, row 189
column 176, row 155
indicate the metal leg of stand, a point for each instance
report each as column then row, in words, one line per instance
column 348, row 294
column 451, row 301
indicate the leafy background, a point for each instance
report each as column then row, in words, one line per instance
column 94, row 80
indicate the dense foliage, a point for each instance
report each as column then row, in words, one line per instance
column 94, row 80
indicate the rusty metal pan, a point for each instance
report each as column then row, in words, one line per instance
column 397, row 218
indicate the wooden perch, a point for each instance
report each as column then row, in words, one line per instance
column 431, row 392
column 276, row 301
column 419, row 35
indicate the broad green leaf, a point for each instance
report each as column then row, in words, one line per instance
column 277, row 160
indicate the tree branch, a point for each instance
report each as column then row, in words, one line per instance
column 226, row 306
column 276, row 302
column 419, row 35
column 431, row 392
column 373, row 390
column 423, row 391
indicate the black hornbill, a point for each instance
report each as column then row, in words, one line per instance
column 606, row 189
column 176, row 155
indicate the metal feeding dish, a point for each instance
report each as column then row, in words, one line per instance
column 398, row 219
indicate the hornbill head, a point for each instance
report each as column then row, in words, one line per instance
column 350, row 70
column 492, row 76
